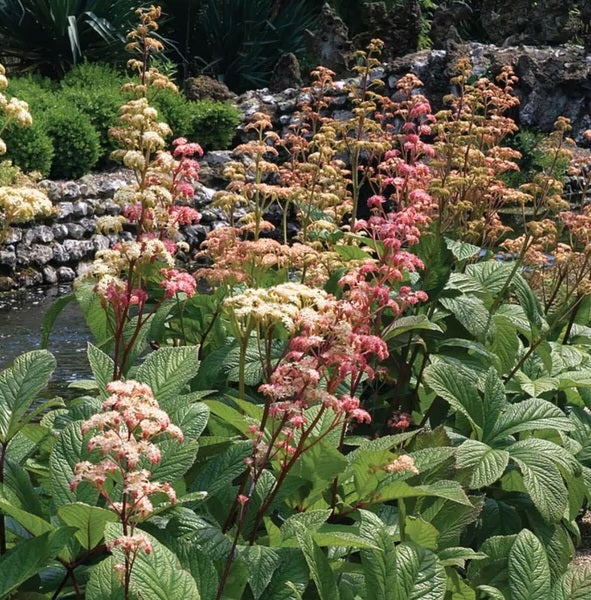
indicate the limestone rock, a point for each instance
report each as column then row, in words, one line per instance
column 198, row 88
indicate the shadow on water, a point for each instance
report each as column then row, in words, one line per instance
column 21, row 318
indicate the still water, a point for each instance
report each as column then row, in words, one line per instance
column 21, row 317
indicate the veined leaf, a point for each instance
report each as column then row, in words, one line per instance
column 89, row 522
column 505, row 343
column 158, row 575
column 543, row 482
column 420, row 576
column 529, row 573
column 102, row 367
column 262, row 563
column 533, row 413
column 167, row 371
column 320, row 570
column 408, row 324
column 19, row 385
column 104, row 582
column 462, row 250
column 421, row 533
column 457, row 390
column 487, row 464
column 471, row 313
column 51, row 314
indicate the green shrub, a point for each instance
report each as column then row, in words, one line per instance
column 214, row 124
column 76, row 142
column 175, row 110
column 37, row 91
column 30, row 148
column 93, row 75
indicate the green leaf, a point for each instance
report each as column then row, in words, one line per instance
column 458, row 555
column 457, row 390
column 29, row 557
column 438, row 261
column 19, row 386
column 450, row 490
column 177, row 459
column 577, row 582
column 69, row 449
column 408, row 324
column 168, row 370
column 421, row 533
column 543, row 481
column 157, row 575
column 201, row 567
column 310, row 520
column 450, row 518
column 34, row 524
column 89, row 522
column 320, row 570
column 51, row 314
column 262, row 563
column 102, row 367
column 462, row 250
column 487, row 464
column 104, row 583
column 529, row 573
column 533, row 413
column 291, row 577
column 471, row 313
column 351, row 252
column 505, row 343
column 420, row 576
column 95, row 315
column 378, row 565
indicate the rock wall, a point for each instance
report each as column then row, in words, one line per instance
column 553, row 81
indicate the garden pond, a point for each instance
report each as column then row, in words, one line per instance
column 21, row 318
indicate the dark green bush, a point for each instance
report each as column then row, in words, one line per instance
column 76, row 141
column 30, row 148
column 34, row 89
column 175, row 110
column 214, row 124
column 95, row 89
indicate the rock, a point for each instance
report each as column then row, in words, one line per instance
column 513, row 22
column 37, row 254
column 13, row 235
column 81, row 209
column 49, row 274
column 194, row 234
column 100, row 242
column 75, row 231
column 198, row 88
column 60, row 254
column 28, row 278
column 65, row 274
column 398, row 27
column 78, row 249
column 330, row 43
column 40, row 233
column 286, row 73
column 443, row 25
column 8, row 258
column 7, row 283
column 59, row 230
column 213, row 164
column 203, row 195
column 65, row 210
column 53, row 189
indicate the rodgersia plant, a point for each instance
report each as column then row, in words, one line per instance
column 155, row 205
column 124, row 434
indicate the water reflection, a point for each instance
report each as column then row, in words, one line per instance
column 21, row 317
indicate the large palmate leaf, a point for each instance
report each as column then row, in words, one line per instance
column 19, row 386
column 102, row 366
column 471, row 313
column 104, row 582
